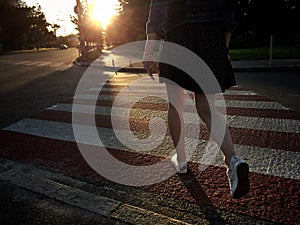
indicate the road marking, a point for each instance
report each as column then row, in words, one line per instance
column 57, row 64
column 34, row 63
column 219, row 103
column 275, row 177
column 257, row 157
column 247, row 122
column 154, row 90
column 44, row 64
column 5, row 61
column 21, row 62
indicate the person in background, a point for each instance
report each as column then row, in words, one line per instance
column 204, row 27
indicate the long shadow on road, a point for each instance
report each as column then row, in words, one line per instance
column 38, row 94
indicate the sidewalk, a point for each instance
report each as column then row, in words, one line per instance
column 123, row 61
column 244, row 66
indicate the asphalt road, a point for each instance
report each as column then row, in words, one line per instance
column 282, row 87
column 31, row 82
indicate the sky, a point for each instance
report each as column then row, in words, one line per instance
column 57, row 11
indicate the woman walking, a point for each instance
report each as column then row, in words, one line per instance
column 204, row 27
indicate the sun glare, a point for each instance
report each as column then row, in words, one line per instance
column 104, row 10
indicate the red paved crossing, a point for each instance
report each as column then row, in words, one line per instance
column 265, row 133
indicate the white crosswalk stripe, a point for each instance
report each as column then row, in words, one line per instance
column 275, row 124
column 33, row 63
column 21, row 62
column 137, row 89
column 261, row 160
column 219, row 103
column 257, row 157
column 5, row 61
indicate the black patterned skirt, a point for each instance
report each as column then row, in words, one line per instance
column 207, row 40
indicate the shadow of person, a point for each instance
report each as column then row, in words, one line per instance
column 207, row 210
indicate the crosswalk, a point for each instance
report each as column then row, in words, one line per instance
column 264, row 132
column 32, row 63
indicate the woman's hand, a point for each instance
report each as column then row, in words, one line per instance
column 150, row 63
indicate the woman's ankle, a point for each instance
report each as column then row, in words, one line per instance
column 228, row 159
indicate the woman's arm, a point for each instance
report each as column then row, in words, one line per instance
column 227, row 39
column 150, row 43
column 149, row 61
column 154, row 30
column 157, row 17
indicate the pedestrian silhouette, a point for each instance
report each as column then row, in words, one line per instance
column 205, row 28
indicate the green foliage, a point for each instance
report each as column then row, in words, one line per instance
column 256, row 19
column 23, row 27
column 130, row 24
column 269, row 15
column 90, row 29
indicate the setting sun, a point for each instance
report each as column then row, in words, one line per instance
column 103, row 10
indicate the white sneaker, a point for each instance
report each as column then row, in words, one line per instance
column 180, row 167
column 238, row 174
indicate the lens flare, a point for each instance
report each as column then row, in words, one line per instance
column 103, row 10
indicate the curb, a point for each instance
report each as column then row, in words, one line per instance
column 236, row 69
column 281, row 68
column 267, row 68
column 85, row 64
column 77, row 194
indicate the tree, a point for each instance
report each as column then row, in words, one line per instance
column 38, row 25
column 53, row 27
column 130, row 24
column 22, row 26
column 258, row 19
column 13, row 23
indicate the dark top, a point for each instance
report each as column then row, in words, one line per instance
column 166, row 15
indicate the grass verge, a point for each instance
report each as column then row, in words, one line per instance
column 264, row 53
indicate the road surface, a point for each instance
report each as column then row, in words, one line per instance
column 31, row 82
column 265, row 133
column 282, row 87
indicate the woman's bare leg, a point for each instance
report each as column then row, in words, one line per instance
column 208, row 111
column 175, row 119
